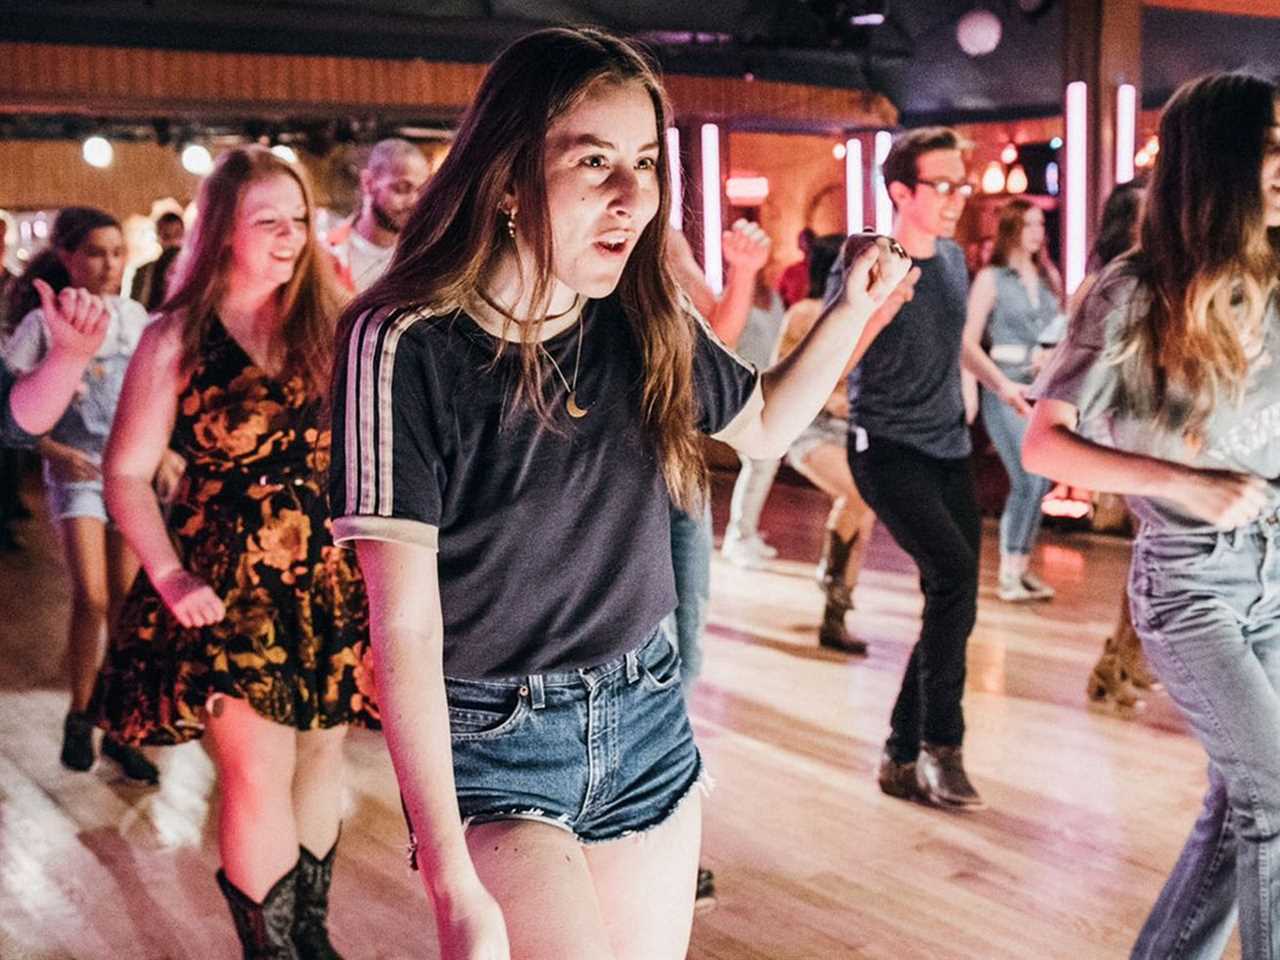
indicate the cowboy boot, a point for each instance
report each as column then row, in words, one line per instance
column 265, row 929
column 832, row 633
column 1128, row 650
column 1109, row 683
column 310, row 924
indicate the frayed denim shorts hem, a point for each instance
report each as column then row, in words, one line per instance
column 603, row 752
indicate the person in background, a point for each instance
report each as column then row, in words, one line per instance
column 743, row 544
column 793, row 284
column 1165, row 390
column 390, row 184
column 1122, row 676
column 86, row 255
column 1014, row 307
column 32, row 404
column 909, row 453
column 819, row 454
column 152, row 278
column 12, row 460
column 746, row 250
column 246, row 626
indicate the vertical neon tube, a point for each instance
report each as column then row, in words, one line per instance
column 1126, row 130
column 677, row 179
column 712, row 263
column 1077, row 182
column 884, row 206
column 853, row 185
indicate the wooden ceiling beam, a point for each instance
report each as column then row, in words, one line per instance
column 1242, row 8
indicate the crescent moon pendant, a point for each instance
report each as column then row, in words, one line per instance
column 575, row 411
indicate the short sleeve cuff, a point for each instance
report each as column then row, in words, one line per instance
column 744, row 418
column 392, row 529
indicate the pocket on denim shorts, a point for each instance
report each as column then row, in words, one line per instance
column 484, row 712
column 661, row 668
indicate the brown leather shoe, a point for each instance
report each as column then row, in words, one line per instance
column 941, row 778
column 897, row 779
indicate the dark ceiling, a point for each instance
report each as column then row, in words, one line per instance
column 912, row 57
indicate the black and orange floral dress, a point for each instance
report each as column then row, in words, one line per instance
column 251, row 518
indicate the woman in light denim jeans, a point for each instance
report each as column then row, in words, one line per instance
column 1014, row 308
column 1171, row 363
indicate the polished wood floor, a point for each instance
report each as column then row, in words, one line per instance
column 1086, row 811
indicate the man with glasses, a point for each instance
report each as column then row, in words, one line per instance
column 909, row 453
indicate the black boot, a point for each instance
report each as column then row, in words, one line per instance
column 133, row 762
column 310, row 930
column 832, row 633
column 265, row 928
column 834, row 560
column 77, row 741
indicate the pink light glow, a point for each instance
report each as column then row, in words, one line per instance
column 1126, row 127
column 853, row 185
column 712, row 264
column 677, row 181
column 884, row 206
column 1076, row 182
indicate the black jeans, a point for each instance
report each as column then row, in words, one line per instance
column 931, row 508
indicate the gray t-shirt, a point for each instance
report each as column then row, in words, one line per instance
column 907, row 387
column 1082, row 371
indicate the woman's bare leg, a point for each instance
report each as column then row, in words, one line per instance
column 85, row 550
column 257, row 834
column 317, row 788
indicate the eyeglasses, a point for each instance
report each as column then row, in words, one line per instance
column 945, row 188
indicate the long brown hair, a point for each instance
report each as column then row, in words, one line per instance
column 1009, row 224
column 1204, row 252
column 456, row 236
column 309, row 302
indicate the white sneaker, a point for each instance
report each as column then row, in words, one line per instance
column 1022, row 589
column 751, row 553
column 1039, row 589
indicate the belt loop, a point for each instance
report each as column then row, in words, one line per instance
column 633, row 666
column 537, row 695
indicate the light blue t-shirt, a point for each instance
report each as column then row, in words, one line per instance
column 1083, row 371
column 87, row 421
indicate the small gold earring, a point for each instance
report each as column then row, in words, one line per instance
column 511, row 223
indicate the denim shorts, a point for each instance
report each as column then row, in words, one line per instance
column 67, row 500
column 825, row 430
column 601, row 752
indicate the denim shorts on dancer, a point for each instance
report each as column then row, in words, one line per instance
column 601, row 752
column 826, row 430
column 78, row 499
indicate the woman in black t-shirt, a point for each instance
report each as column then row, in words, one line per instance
column 516, row 403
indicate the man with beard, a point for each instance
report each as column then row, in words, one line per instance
column 389, row 187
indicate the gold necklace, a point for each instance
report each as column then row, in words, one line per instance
column 571, row 404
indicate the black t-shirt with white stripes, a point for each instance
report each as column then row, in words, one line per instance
column 554, row 547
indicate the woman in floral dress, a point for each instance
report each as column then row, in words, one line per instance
column 253, row 630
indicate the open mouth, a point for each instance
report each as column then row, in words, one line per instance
column 614, row 244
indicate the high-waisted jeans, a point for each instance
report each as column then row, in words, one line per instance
column 1020, row 519
column 1207, row 607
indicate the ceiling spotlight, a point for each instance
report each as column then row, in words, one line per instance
column 993, row 178
column 196, row 159
column 1017, row 180
column 838, row 151
column 867, row 13
column 285, row 153
column 97, row 152
column 1009, row 154
column 1055, row 143
column 978, row 32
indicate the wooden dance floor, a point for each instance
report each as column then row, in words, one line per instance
column 1086, row 812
